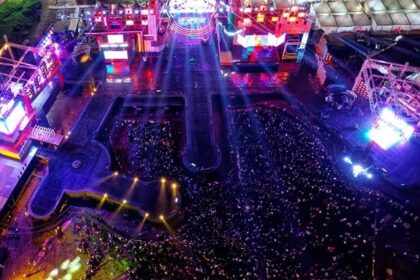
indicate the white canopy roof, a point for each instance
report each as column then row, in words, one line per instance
column 376, row 15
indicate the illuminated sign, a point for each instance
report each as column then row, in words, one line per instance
column 191, row 21
column 115, row 39
column 116, row 55
column 123, row 45
column 14, row 119
column 269, row 40
column 188, row 6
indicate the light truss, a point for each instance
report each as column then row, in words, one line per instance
column 390, row 85
column 24, row 73
column 27, row 70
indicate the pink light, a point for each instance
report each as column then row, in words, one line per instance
column 247, row 22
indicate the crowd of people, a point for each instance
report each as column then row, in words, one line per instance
column 284, row 210
column 145, row 148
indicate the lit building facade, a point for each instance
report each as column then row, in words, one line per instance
column 266, row 33
column 122, row 30
column 26, row 72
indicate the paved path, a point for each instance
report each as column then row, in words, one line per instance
column 196, row 67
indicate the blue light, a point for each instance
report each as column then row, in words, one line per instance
column 358, row 169
column 110, row 69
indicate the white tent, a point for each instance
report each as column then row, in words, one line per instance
column 376, row 15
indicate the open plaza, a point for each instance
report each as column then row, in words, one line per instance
column 213, row 139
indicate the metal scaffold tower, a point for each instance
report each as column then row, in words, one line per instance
column 390, row 85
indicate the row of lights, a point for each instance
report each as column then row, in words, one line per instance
column 135, row 179
column 93, row 92
column 173, row 185
column 124, row 202
column 163, row 181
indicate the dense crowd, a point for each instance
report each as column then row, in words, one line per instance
column 283, row 211
column 147, row 147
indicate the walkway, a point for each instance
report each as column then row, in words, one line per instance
column 196, row 67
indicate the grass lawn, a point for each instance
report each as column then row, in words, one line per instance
column 18, row 18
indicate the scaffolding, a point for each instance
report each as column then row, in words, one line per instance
column 27, row 70
column 390, row 85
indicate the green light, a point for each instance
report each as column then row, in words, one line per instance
column 65, row 265
column 53, row 273
column 68, row 267
column 74, row 265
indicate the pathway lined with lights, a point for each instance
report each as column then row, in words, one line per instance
column 201, row 154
